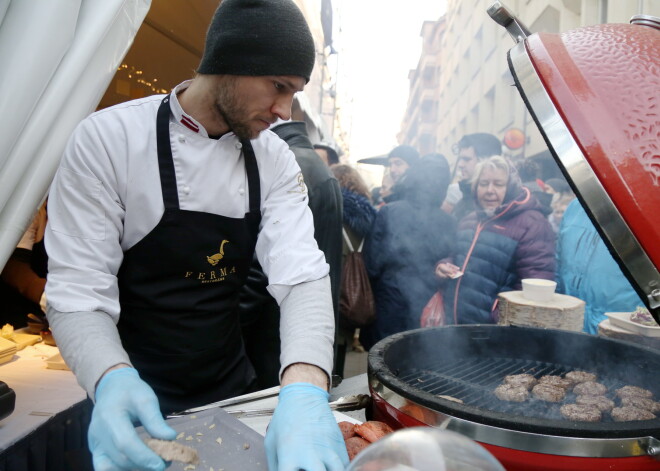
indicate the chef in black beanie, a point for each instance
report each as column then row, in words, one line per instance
column 258, row 37
column 160, row 205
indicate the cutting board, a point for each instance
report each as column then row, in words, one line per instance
column 222, row 442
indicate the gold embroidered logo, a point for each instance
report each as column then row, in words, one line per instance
column 302, row 188
column 215, row 258
column 213, row 276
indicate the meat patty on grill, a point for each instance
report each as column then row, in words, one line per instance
column 556, row 381
column 641, row 403
column 590, row 388
column 577, row 376
column 511, row 393
column 627, row 413
column 581, row 412
column 526, row 380
column 549, row 393
column 633, row 391
column 603, row 403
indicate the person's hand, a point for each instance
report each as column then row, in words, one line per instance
column 303, row 433
column 121, row 399
column 447, row 270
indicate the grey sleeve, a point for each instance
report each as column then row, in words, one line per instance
column 89, row 343
column 307, row 325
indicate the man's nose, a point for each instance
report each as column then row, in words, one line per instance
column 282, row 107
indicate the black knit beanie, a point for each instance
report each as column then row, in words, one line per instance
column 258, row 37
column 405, row 152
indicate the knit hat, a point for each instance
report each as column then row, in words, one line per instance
column 407, row 153
column 258, row 37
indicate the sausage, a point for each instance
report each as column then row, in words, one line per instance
column 372, row 430
column 347, row 429
column 355, row 445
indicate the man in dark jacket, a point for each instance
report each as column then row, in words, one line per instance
column 471, row 149
column 408, row 237
column 399, row 160
column 260, row 314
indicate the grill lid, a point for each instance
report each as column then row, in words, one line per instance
column 593, row 93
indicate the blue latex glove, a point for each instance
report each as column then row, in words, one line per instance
column 122, row 398
column 303, row 433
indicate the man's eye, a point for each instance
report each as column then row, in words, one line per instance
column 278, row 86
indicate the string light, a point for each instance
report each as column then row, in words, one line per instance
column 133, row 74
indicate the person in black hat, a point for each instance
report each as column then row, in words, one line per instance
column 400, row 159
column 155, row 213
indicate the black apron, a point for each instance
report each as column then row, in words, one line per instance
column 179, row 289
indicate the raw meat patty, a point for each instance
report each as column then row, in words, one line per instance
column 626, row 413
column 547, row 392
column 347, row 429
column 355, row 445
column 603, row 403
column 576, row 376
column 526, row 380
column 634, row 391
column 556, row 381
column 641, row 403
column 372, row 430
column 581, row 412
column 173, row 451
column 590, row 388
column 508, row 392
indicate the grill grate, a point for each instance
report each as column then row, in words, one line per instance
column 474, row 380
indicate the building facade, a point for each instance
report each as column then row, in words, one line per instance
column 462, row 83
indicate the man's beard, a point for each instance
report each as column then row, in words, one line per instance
column 231, row 110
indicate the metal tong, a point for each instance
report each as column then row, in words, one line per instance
column 343, row 404
column 263, row 394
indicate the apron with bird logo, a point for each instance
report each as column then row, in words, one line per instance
column 179, row 290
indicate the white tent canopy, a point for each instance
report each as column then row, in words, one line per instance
column 58, row 57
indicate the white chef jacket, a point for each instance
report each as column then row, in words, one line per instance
column 106, row 197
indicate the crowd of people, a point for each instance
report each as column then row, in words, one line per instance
column 469, row 234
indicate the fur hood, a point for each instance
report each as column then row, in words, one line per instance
column 359, row 214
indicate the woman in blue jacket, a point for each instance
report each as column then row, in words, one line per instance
column 586, row 270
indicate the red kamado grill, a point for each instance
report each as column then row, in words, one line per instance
column 593, row 93
column 408, row 372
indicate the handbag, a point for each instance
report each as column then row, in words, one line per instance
column 433, row 314
column 356, row 300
